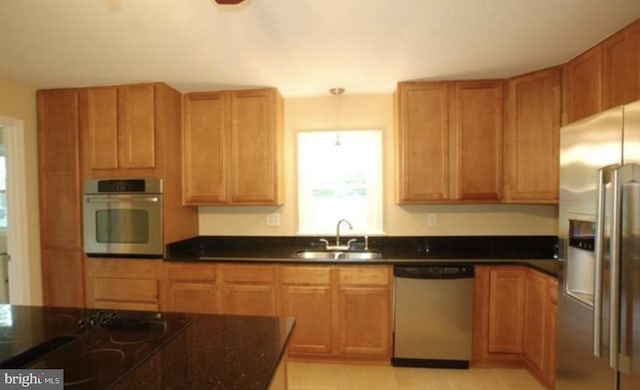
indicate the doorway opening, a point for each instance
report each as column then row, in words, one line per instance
column 18, row 256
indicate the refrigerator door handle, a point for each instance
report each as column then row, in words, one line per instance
column 614, row 284
column 604, row 177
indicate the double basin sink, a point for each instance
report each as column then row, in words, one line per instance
column 315, row 254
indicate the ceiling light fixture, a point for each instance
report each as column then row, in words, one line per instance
column 338, row 93
column 224, row 2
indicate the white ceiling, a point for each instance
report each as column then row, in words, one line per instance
column 302, row 47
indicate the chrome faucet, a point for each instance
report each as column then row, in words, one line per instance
column 337, row 245
column 338, row 231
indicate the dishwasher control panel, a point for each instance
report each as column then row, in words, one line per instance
column 434, row 271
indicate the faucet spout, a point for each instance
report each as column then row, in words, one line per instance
column 338, row 230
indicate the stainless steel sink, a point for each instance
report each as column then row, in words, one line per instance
column 336, row 255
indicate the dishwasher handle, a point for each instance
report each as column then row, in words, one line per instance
column 434, row 271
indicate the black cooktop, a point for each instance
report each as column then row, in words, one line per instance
column 95, row 348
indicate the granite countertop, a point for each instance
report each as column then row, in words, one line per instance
column 219, row 352
column 538, row 252
column 107, row 349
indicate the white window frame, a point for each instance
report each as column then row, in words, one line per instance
column 321, row 150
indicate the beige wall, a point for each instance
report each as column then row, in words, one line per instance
column 18, row 101
column 374, row 112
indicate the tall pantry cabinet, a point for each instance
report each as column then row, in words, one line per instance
column 60, row 213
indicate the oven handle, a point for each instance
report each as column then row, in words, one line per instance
column 123, row 198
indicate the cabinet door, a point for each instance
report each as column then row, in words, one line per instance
column 204, row 148
column 192, row 297
column 535, row 319
column 506, row 310
column 255, row 147
column 550, row 337
column 99, row 124
column 422, row 111
column 361, row 330
column 311, row 307
column 621, row 67
column 477, row 122
column 306, row 294
column 583, row 85
column 248, row 299
column 59, row 168
column 63, row 277
column 136, row 126
column 532, row 137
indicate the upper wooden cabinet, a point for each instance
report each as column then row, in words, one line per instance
column 119, row 127
column 232, row 147
column 422, row 111
column 621, row 67
column 582, row 85
column 449, row 138
column 532, row 136
column 477, row 123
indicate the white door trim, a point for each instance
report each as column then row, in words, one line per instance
column 20, row 267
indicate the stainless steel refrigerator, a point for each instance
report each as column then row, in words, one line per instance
column 598, row 339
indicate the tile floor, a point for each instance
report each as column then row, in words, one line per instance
column 328, row 376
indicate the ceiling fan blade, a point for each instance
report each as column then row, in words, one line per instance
column 229, row 1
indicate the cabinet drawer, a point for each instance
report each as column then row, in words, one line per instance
column 244, row 273
column 305, row 275
column 192, row 272
column 132, row 290
column 373, row 275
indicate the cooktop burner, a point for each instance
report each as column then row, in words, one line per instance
column 94, row 347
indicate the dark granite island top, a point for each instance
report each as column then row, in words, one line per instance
column 144, row 350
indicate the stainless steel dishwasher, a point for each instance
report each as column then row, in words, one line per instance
column 433, row 316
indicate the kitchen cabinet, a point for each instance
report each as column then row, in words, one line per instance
column 305, row 293
column 621, row 67
column 550, row 332
column 233, row 148
column 118, row 124
column 125, row 284
column 449, row 138
column 478, row 124
column 535, row 319
column 248, row 290
column 532, row 137
column 191, row 288
column 341, row 312
column 506, row 308
column 583, row 85
column 364, row 311
column 60, row 210
column 422, row 115
column 498, row 307
column 515, row 320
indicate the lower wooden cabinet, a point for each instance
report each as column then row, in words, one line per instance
column 515, row 320
column 364, row 314
column 341, row 312
column 305, row 293
column 247, row 290
column 125, row 284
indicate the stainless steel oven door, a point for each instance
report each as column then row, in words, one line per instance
column 123, row 225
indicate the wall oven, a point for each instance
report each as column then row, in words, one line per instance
column 123, row 217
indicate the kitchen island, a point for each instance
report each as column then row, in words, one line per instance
column 101, row 349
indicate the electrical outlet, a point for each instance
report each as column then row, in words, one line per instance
column 273, row 220
column 432, row 219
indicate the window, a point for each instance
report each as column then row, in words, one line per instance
column 340, row 176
